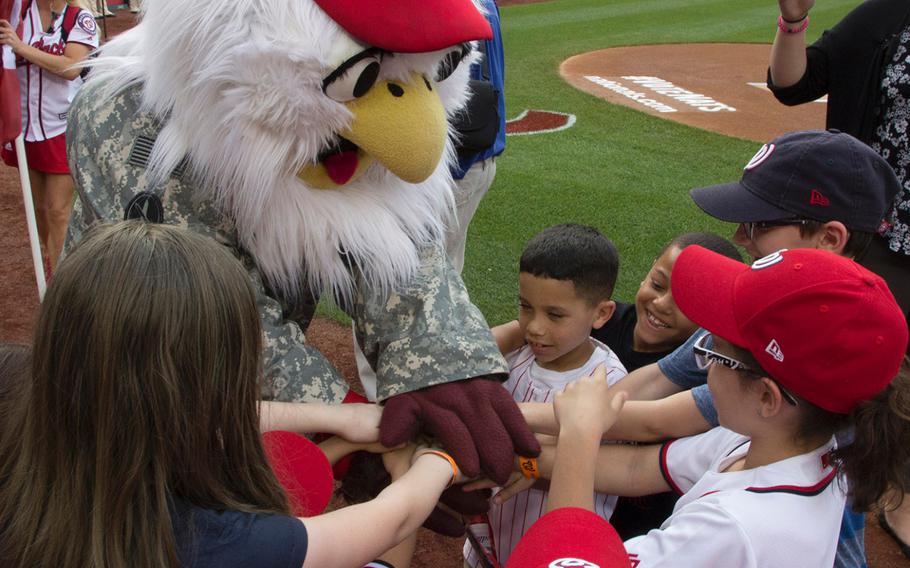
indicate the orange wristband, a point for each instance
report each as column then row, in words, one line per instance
column 449, row 459
column 529, row 467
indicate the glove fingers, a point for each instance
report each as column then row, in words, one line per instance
column 523, row 439
column 455, row 437
column 495, row 448
column 467, row 502
column 400, row 420
column 444, row 523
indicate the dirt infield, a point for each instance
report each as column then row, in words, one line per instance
column 718, row 87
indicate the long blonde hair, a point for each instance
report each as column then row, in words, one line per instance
column 146, row 368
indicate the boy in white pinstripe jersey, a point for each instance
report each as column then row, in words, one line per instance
column 566, row 278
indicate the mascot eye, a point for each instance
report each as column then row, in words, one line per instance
column 451, row 61
column 353, row 78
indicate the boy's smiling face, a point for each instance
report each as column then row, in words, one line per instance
column 660, row 324
column 556, row 321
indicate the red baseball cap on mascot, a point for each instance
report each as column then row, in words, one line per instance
column 570, row 537
column 409, row 26
column 820, row 324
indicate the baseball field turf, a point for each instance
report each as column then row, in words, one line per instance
column 623, row 171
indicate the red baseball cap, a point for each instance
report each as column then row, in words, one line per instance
column 820, row 324
column 570, row 537
column 302, row 469
column 409, row 26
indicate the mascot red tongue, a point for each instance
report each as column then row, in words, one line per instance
column 341, row 166
column 311, row 138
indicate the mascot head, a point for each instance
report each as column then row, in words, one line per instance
column 319, row 126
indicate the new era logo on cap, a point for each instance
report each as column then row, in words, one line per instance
column 816, row 198
column 770, row 260
column 773, row 349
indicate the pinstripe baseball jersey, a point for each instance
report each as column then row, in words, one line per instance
column 529, row 382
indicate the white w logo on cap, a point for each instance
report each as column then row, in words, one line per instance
column 572, row 562
column 770, row 260
column 763, row 154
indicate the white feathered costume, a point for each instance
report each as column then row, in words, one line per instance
column 311, row 137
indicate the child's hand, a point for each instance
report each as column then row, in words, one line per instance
column 793, row 9
column 589, row 404
column 516, row 484
column 360, row 422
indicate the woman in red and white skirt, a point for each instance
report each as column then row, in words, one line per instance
column 55, row 35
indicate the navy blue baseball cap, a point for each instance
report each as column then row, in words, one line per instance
column 814, row 174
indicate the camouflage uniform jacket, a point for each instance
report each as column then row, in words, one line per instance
column 427, row 333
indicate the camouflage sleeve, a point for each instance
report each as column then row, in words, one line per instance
column 107, row 142
column 426, row 334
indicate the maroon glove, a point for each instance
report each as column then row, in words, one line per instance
column 476, row 421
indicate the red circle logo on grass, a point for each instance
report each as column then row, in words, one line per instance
column 539, row 122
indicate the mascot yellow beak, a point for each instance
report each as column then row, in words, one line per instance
column 401, row 125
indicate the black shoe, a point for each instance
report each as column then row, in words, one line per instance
column 886, row 526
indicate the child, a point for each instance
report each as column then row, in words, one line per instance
column 140, row 440
column 767, row 488
column 643, row 332
column 652, row 327
column 566, row 277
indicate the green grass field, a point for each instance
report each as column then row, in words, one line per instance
column 623, row 171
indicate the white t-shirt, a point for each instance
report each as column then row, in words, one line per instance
column 46, row 97
column 529, row 382
column 784, row 514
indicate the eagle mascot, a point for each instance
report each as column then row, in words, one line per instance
column 312, row 138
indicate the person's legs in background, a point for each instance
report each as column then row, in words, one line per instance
column 58, row 204
column 469, row 191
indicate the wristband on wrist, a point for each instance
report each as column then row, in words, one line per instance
column 449, row 459
column 782, row 25
column 529, row 467
column 797, row 20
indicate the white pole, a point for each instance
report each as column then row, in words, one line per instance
column 30, row 216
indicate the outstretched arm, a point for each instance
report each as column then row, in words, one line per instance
column 380, row 524
column 353, row 422
column 675, row 416
column 624, row 470
column 788, row 53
